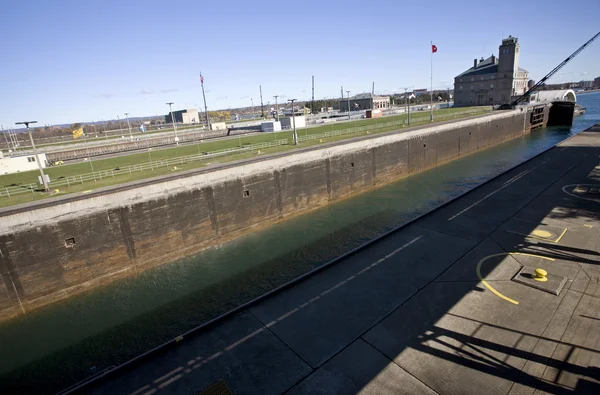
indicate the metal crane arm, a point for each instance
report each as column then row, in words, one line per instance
column 550, row 74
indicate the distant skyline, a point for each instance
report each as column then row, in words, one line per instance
column 72, row 61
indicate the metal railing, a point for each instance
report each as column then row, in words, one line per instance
column 182, row 160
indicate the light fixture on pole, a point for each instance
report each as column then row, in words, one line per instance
column 128, row 126
column 173, row 122
column 37, row 157
column 294, row 121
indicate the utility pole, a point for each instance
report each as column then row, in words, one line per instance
column 348, row 92
column 120, row 127
column 372, row 94
column 128, row 126
column 262, row 109
column 294, row 121
column 312, row 101
column 13, row 139
column 37, row 157
column 276, row 108
column 204, row 97
column 252, row 106
column 325, row 104
column 5, row 138
column 448, row 97
column 407, row 104
column 173, row 122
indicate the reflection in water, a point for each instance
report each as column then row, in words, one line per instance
column 68, row 341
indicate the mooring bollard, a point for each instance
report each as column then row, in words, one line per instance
column 540, row 275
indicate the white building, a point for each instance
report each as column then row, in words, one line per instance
column 288, row 122
column 21, row 163
column 272, row 126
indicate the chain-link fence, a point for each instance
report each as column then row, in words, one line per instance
column 182, row 160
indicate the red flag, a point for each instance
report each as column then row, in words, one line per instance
column 201, row 79
column 433, row 48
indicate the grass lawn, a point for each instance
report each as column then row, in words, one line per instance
column 29, row 178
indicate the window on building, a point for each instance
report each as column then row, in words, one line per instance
column 481, row 78
column 491, row 86
column 460, row 88
column 31, row 159
column 472, row 87
column 491, row 77
column 472, row 78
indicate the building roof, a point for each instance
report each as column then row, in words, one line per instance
column 487, row 66
column 489, row 69
column 558, row 95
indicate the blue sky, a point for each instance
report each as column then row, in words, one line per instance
column 66, row 61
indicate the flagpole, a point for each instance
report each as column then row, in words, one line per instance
column 88, row 154
column 431, row 86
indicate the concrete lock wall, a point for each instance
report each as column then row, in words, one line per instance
column 54, row 250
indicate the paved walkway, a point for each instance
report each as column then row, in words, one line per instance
column 429, row 309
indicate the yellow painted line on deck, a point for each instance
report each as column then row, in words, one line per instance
column 561, row 236
column 540, row 235
column 488, row 286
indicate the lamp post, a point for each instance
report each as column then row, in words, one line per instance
column 37, row 157
column 173, row 122
column 348, row 96
column 128, row 126
column 252, row 105
column 294, row 121
column 276, row 108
